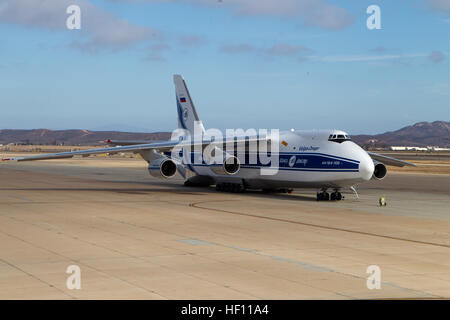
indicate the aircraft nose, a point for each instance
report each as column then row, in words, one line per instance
column 366, row 167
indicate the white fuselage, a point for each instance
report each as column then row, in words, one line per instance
column 306, row 159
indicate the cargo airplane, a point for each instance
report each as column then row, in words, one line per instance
column 327, row 160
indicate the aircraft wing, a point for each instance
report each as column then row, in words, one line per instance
column 129, row 142
column 389, row 160
column 159, row 146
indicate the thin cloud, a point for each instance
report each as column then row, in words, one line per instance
column 440, row 89
column 439, row 5
column 436, row 57
column 362, row 58
column 99, row 29
column 317, row 13
column 192, row 41
column 284, row 49
column 237, row 49
column 276, row 50
column 379, row 49
column 155, row 52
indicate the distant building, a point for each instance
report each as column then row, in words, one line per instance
column 435, row 148
column 428, row 148
column 396, row 148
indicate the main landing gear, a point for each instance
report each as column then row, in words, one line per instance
column 230, row 187
column 283, row 190
column 325, row 196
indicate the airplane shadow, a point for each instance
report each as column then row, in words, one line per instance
column 169, row 188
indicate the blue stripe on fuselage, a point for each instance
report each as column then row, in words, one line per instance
column 296, row 161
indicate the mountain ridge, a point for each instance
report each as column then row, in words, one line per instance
column 420, row 134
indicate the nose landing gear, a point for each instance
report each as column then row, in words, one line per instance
column 336, row 196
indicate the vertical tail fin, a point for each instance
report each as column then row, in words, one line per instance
column 187, row 115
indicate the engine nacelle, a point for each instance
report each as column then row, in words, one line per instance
column 162, row 168
column 380, row 171
column 230, row 166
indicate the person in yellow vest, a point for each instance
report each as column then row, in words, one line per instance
column 382, row 201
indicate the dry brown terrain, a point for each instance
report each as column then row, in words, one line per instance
column 431, row 167
column 432, row 163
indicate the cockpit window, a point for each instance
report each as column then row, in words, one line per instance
column 339, row 138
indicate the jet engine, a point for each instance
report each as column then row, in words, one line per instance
column 380, row 171
column 229, row 166
column 162, row 168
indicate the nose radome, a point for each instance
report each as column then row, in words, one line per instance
column 366, row 167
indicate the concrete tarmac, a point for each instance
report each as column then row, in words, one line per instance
column 135, row 237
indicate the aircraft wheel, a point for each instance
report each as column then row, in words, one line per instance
column 339, row 196
column 333, row 196
column 323, row 196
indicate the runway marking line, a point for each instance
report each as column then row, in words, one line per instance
column 197, row 205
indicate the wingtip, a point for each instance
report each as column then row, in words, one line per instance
column 410, row 164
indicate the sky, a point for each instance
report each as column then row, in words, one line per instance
column 303, row 64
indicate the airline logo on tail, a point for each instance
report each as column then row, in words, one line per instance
column 187, row 115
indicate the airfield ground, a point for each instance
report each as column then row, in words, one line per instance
column 135, row 237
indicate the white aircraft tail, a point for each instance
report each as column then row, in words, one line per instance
column 187, row 115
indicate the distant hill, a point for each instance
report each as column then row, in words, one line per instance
column 73, row 137
column 420, row 134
